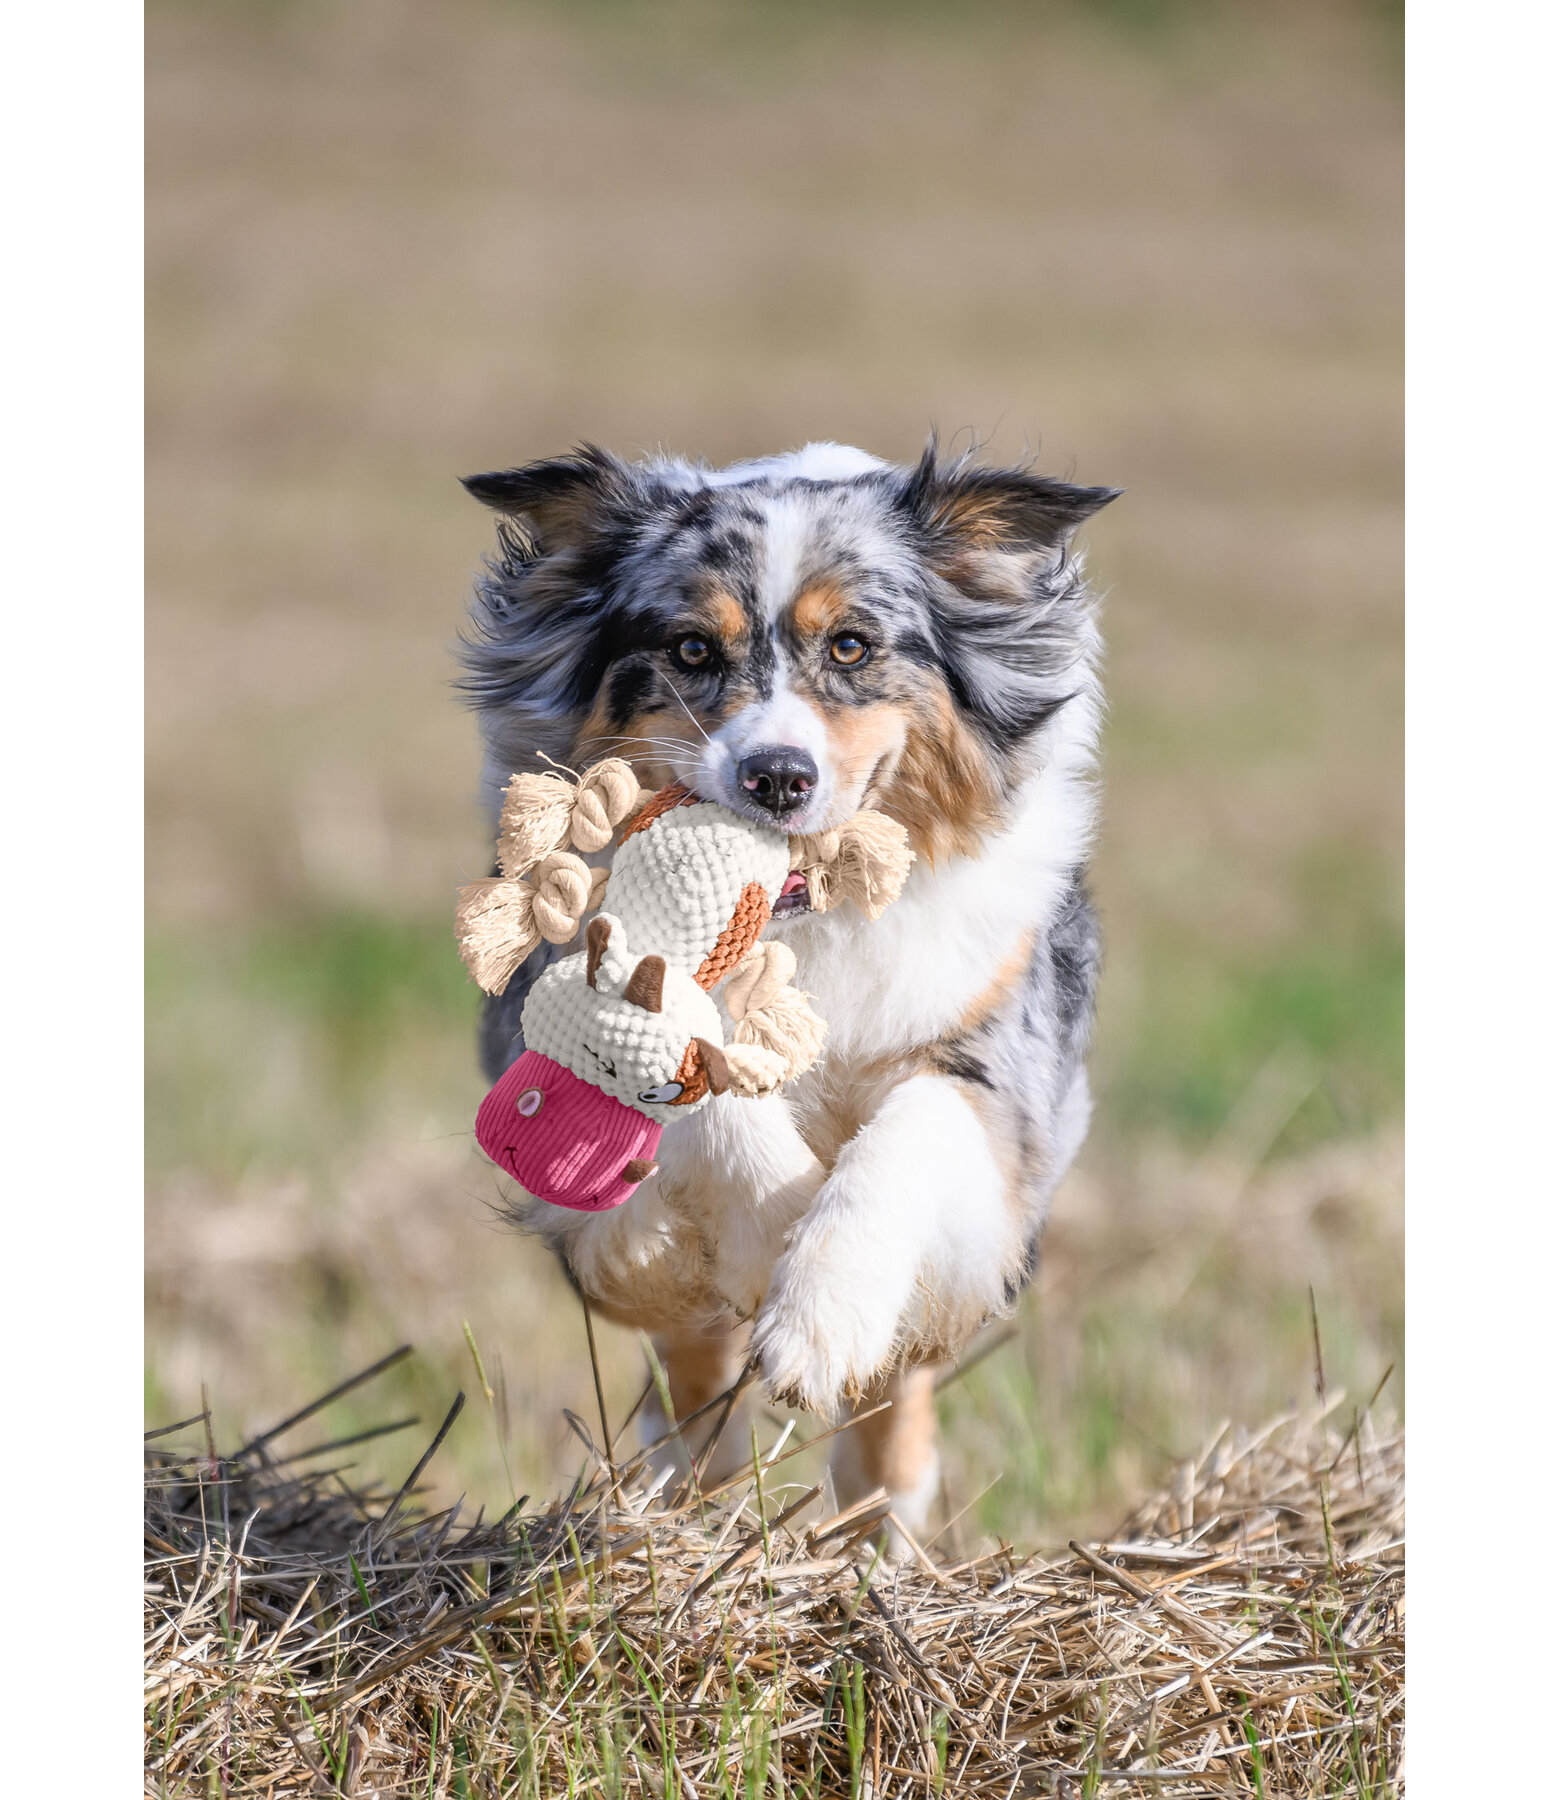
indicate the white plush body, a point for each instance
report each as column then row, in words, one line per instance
column 676, row 884
column 672, row 890
column 596, row 1033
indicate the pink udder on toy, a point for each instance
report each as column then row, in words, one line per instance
column 563, row 1139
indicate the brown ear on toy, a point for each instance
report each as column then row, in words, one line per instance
column 598, row 934
column 644, row 988
column 714, row 1064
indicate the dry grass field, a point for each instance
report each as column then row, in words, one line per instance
column 389, row 243
column 1242, row 1633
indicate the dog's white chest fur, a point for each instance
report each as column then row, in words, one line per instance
column 891, row 984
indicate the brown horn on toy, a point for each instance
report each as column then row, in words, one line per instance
column 644, row 988
column 598, row 934
column 715, row 1065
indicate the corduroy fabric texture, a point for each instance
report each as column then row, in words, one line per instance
column 571, row 1145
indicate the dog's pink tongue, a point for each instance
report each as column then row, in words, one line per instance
column 563, row 1139
column 793, row 894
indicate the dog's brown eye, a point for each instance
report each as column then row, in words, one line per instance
column 691, row 653
column 848, row 650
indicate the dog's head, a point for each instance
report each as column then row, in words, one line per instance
column 795, row 638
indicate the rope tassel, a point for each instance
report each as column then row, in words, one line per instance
column 775, row 1021
column 865, row 860
column 500, row 922
column 544, row 814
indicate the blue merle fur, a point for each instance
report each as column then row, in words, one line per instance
column 966, row 574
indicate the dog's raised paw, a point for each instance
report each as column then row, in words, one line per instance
column 817, row 1341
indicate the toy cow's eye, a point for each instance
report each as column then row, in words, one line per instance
column 661, row 1095
column 692, row 652
column 848, row 650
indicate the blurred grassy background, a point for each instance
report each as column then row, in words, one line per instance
column 1157, row 243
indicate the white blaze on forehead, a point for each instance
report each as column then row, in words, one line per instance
column 785, row 719
column 813, row 462
column 787, row 529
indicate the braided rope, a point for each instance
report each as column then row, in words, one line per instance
column 606, row 794
column 773, row 1019
column 865, row 860
column 543, row 814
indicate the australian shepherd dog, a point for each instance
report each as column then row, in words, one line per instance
column 796, row 638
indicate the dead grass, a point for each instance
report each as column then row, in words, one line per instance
column 1241, row 1633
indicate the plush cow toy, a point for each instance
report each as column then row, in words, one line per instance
column 624, row 1038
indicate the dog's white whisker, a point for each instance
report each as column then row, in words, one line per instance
column 683, row 744
column 672, row 689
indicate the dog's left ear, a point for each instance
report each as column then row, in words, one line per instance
column 565, row 500
column 964, row 507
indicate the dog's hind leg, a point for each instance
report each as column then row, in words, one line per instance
column 699, row 1365
column 895, row 1450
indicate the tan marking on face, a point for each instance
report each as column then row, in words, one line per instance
column 918, row 762
column 861, row 740
column 727, row 618
column 649, row 740
column 941, row 788
column 646, row 740
column 820, row 609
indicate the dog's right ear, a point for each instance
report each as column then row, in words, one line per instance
column 562, row 502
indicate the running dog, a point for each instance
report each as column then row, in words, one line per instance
column 796, row 638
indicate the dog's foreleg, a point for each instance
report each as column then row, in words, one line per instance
column 914, row 1225
column 699, row 1366
column 742, row 1170
column 895, row 1449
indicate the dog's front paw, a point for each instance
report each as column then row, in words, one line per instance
column 823, row 1333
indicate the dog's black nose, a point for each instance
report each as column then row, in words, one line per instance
column 779, row 780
